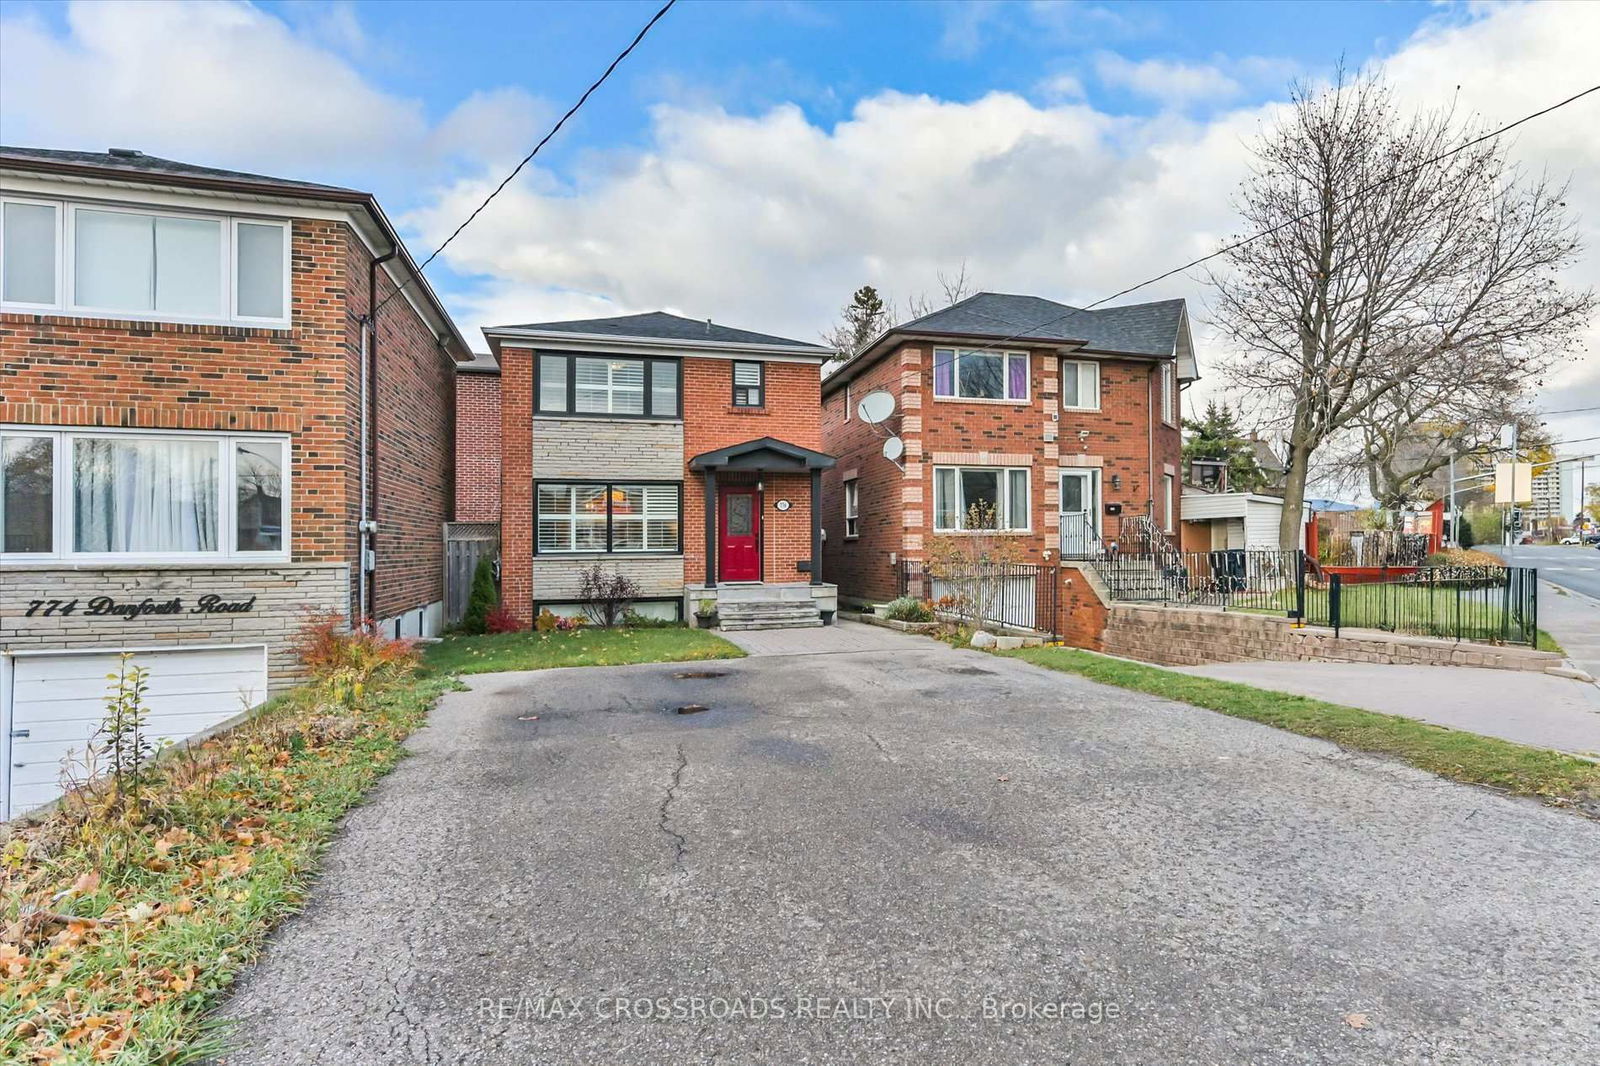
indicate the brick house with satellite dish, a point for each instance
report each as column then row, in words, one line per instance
column 682, row 453
column 1064, row 421
column 225, row 399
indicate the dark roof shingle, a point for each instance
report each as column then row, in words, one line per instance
column 1137, row 329
column 659, row 325
column 139, row 163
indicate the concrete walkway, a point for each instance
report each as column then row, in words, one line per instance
column 1574, row 620
column 841, row 637
column 1529, row 708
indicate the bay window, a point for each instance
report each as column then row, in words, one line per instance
column 979, row 374
column 577, row 517
column 102, row 261
column 608, row 387
column 128, row 497
column 970, row 498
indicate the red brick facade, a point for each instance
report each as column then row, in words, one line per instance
column 304, row 381
column 516, row 481
column 477, row 447
column 711, row 421
column 1126, row 439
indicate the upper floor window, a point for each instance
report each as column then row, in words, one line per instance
column 1169, row 393
column 852, row 508
column 977, row 374
column 1080, row 385
column 749, row 384
column 608, row 387
column 967, row 498
column 123, row 497
column 99, row 261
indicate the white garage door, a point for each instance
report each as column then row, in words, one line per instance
column 52, row 703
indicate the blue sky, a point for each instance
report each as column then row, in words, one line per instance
column 755, row 162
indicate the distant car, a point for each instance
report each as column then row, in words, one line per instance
column 1591, row 538
column 1574, row 539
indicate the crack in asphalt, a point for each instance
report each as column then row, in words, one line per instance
column 679, row 844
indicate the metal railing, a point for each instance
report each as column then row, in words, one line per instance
column 1486, row 604
column 1015, row 595
column 1233, row 577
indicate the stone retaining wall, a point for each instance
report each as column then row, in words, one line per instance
column 1192, row 636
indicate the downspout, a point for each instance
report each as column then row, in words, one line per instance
column 367, row 526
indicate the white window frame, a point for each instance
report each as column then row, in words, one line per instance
column 1006, row 357
column 232, row 304
column 60, row 282
column 65, row 498
column 610, row 532
column 1004, row 517
column 228, row 266
column 1169, row 490
column 1081, row 368
column 1169, row 393
column 852, row 508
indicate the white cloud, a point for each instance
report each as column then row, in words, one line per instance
column 1170, row 83
column 226, row 83
column 769, row 221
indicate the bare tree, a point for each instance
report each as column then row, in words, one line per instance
column 1385, row 266
column 869, row 314
column 953, row 286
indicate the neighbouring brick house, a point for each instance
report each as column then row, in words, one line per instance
column 478, row 440
column 195, row 406
column 1064, row 421
column 682, row 453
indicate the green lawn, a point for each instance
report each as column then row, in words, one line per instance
column 1415, row 609
column 1555, row 778
column 582, row 647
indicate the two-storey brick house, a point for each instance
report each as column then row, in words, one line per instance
column 682, row 453
column 1058, row 421
column 222, row 393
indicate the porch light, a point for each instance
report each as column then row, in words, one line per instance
column 1116, row 481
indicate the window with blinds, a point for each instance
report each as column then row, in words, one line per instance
column 749, row 384
column 609, row 517
column 607, row 387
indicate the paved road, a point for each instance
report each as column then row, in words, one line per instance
column 1569, row 597
column 1529, row 708
column 1570, row 567
column 837, row 832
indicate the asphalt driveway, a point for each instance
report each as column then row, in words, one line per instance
column 914, row 854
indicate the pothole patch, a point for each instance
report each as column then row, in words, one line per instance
column 690, row 708
column 690, row 675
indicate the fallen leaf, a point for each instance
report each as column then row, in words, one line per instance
column 1356, row 1021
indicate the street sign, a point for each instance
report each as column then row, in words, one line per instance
column 1513, row 483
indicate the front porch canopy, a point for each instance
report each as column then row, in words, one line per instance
column 765, row 454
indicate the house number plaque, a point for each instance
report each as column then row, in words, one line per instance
column 107, row 607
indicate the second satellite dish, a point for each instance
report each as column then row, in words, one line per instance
column 875, row 407
column 893, row 449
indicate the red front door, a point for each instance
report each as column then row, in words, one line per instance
column 739, row 534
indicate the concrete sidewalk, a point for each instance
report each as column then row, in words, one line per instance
column 1574, row 620
column 1529, row 708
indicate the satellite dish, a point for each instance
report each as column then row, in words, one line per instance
column 893, row 448
column 875, row 407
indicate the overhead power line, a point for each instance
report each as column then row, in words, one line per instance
column 562, row 121
column 1030, row 331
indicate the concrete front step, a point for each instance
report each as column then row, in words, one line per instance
column 771, row 623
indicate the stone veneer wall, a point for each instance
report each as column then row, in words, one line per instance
column 1187, row 636
column 283, row 595
column 557, row 579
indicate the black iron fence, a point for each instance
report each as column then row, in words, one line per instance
column 1487, row 604
column 1235, row 577
column 1014, row 595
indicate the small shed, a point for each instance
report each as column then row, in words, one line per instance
column 1213, row 521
